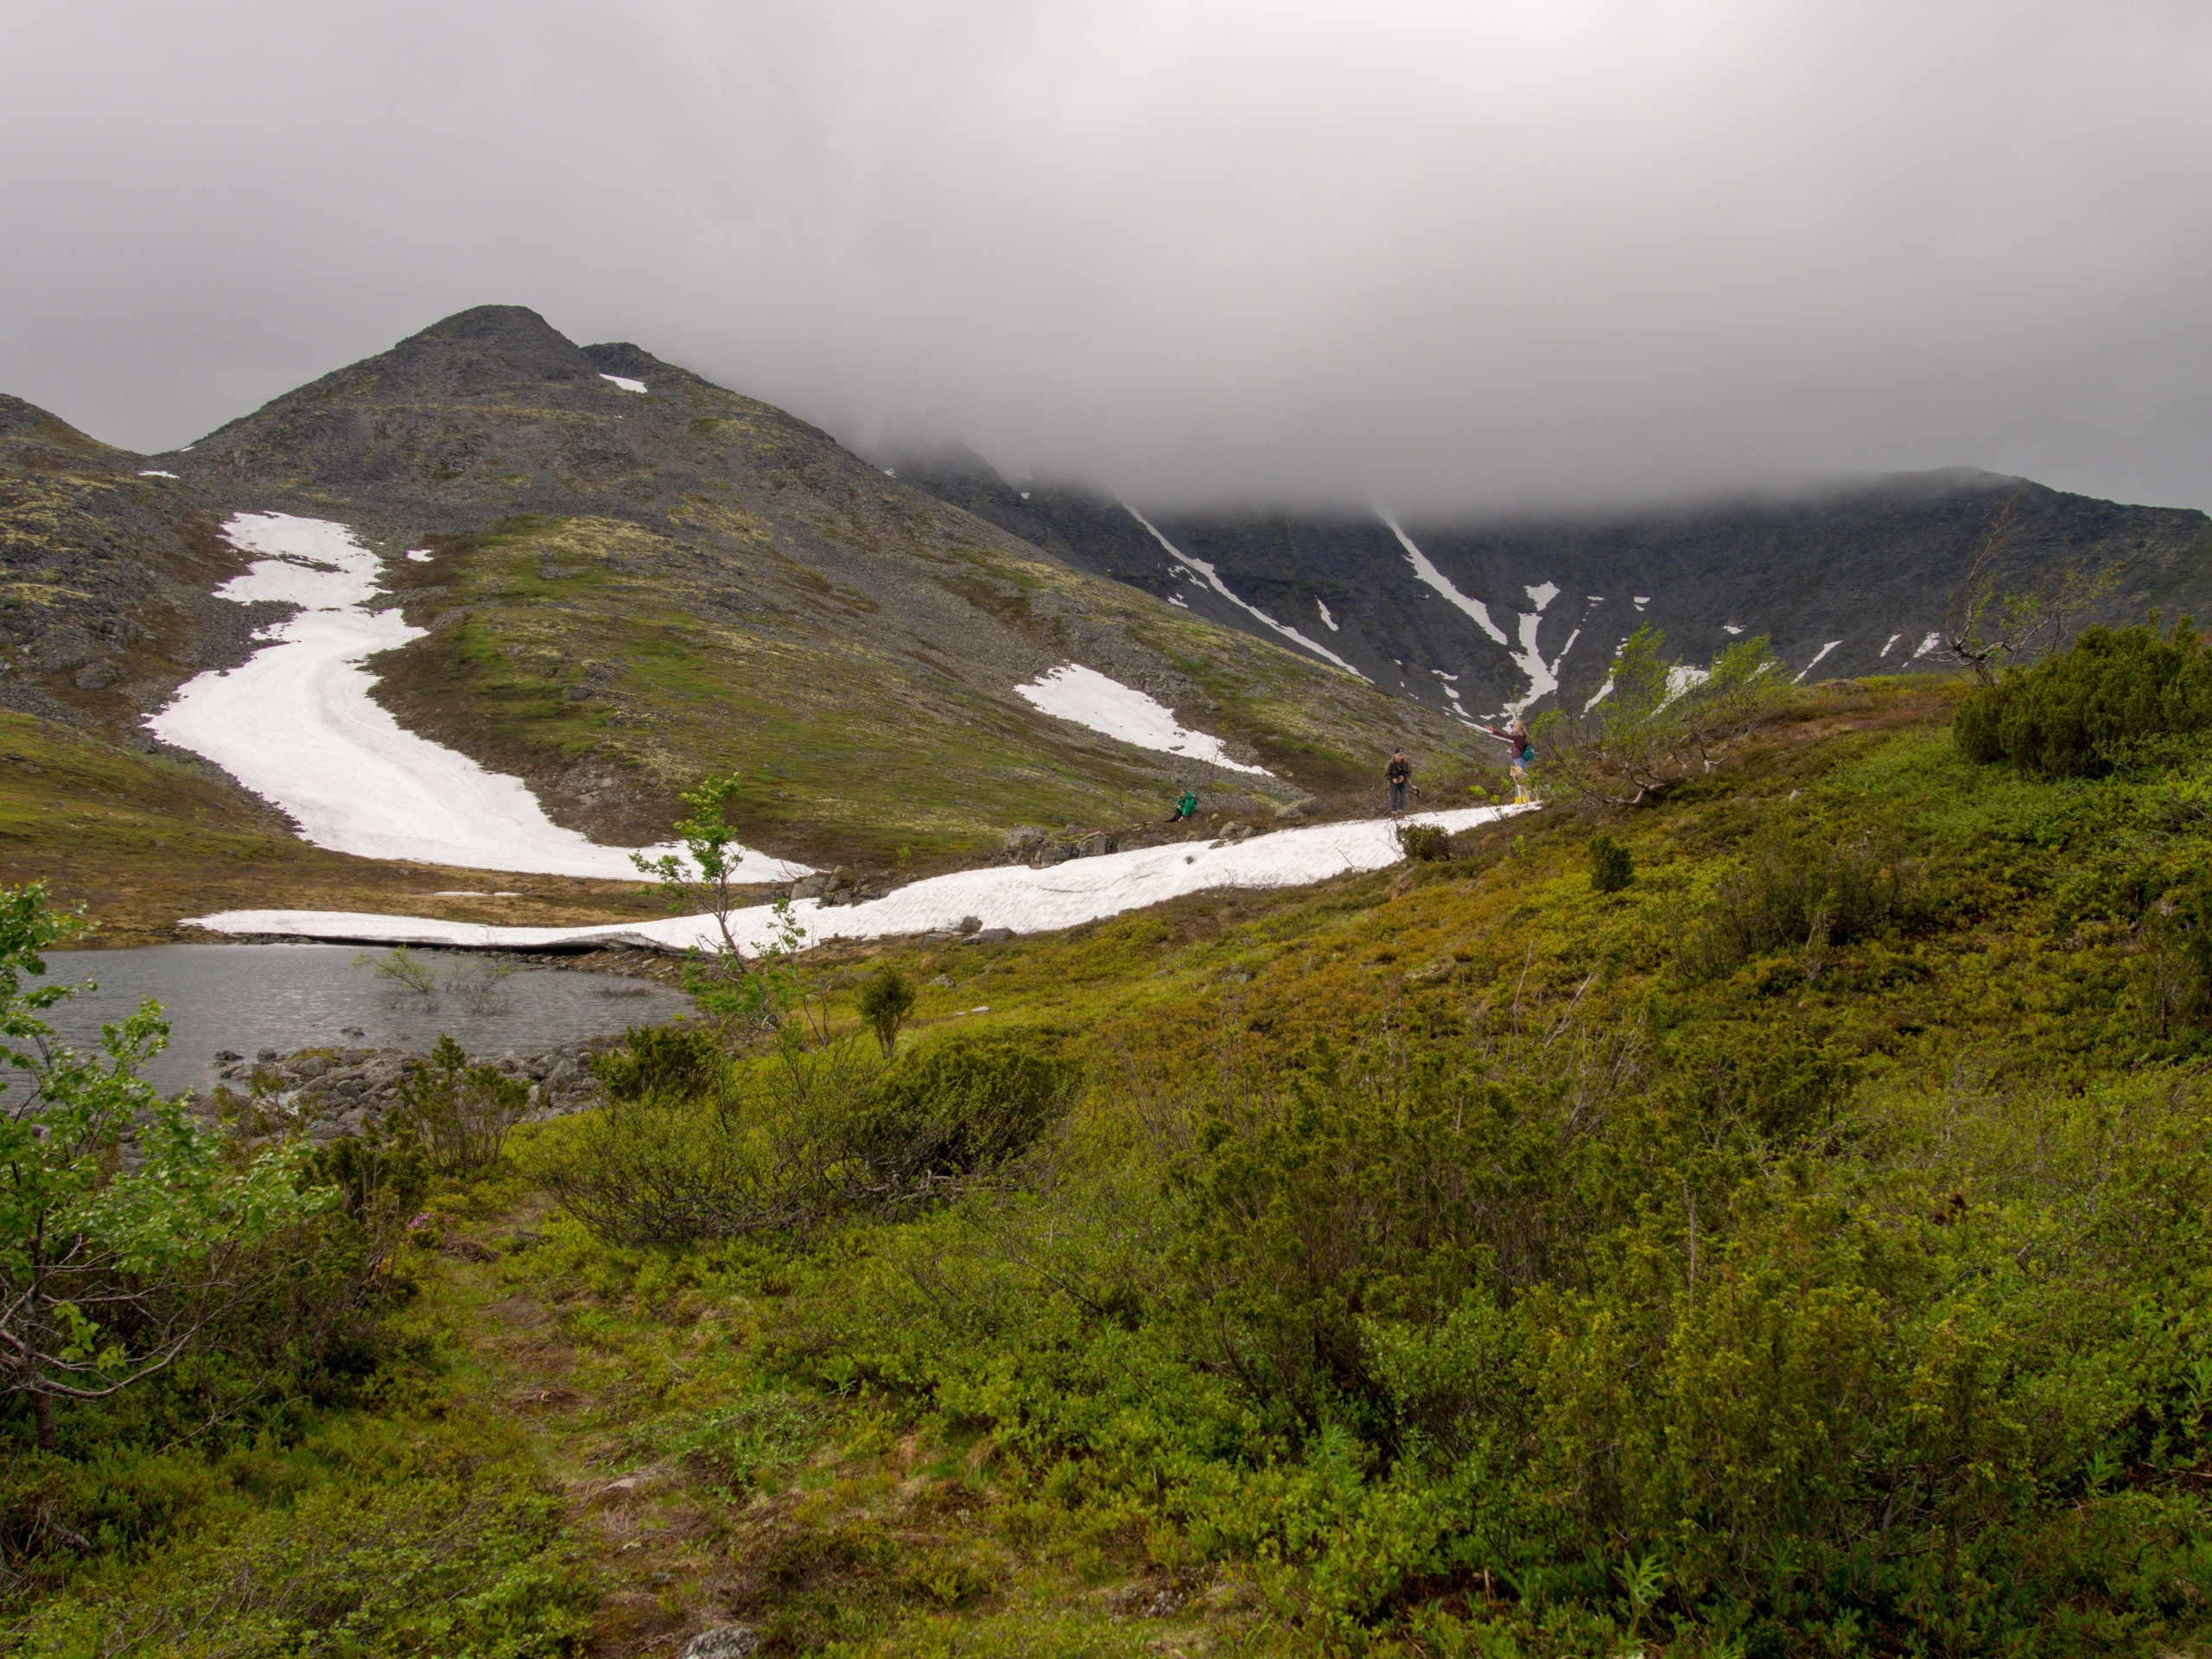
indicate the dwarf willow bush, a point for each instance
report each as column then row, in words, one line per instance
column 2075, row 714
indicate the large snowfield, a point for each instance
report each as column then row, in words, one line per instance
column 1023, row 899
column 1087, row 698
column 296, row 725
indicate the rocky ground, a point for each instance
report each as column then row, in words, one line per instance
column 327, row 1092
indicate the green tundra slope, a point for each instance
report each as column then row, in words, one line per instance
column 1799, row 1251
column 629, row 588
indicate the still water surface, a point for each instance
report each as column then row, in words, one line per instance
column 250, row 997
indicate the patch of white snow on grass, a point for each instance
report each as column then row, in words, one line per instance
column 1929, row 644
column 1886, row 644
column 1731, row 627
column 1330, row 621
column 420, row 555
column 1818, row 656
column 1542, row 595
column 625, row 382
column 154, row 472
column 1015, row 897
column 1640, row 600
column 1090, row 698
column 1201, row 572
column 294, row 724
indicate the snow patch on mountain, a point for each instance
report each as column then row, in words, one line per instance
column 1027, row 901
column 1815, row 662
column 1087, row 698
column 625, row 382
column 1328, row 620
column 1200, row 571
column 1436, row 579
column 294, row 724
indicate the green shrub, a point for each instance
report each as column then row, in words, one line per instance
column 2074, row 714
column 1611, row 866
column 885, row 1001
column 1424, row 842
column 805, row 1136
column 1801, row 891
column 459, row 1113
column 677, row 1061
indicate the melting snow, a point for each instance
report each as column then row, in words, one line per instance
column 1681, row 678
column 420, row 555
column 1178, row 601
column 1730, row 628
column 1641, row 600
column 1929, row 644
column 1204, row 573
column 1543, row 595
column 1326, row 617
column 155, row 471
column 625, row 382
column 296, row 724
column 1026, row 900
column 1815, row 662
column 1090, row 698
column 1886, row 644
column 1025, row 495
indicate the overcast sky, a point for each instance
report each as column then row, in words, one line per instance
column 1454, row 255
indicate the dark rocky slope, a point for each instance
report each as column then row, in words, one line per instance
column 1863, row 574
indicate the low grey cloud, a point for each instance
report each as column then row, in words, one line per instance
column 1463, row 257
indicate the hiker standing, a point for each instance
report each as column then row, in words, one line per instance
column 1524, row 758
column 1399, row 776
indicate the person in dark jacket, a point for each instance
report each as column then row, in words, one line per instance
column 1399, row 776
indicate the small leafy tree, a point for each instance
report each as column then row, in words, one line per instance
column 1656, row 722
column 885, row 1001
column 1992, row 624
column 1612, row 866
column 761, row 989
column 126, row 1231
column 1424, row 842
column 461, row 1113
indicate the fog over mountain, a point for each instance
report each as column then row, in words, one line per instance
column 1442, row 258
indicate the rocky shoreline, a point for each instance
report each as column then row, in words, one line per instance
column 325, row 1093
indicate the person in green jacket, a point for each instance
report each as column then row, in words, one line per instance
column 1185, row 808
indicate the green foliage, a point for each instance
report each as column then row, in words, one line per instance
column 1424, row 842
column 2078, row 713
column 459, row 1113
column 1658, row 722
column 885, row 1001
column 108, row 1273
column 1613, row 866
column 677, row 1062
column 804, row 1136
column 1805, row 893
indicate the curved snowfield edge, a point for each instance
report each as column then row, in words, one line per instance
column 296, row 724
column 1084, row 696
column 1023, row 899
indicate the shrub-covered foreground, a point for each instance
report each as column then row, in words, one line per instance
column 1799, row 1249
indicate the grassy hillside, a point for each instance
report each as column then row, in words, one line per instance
column 1798, row 1250
column 611, row 665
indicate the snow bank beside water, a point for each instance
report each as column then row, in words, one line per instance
column 1026, row 900
column 1089, row 698
column 295, row 725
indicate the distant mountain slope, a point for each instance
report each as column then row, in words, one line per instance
column 632, row 575
column 106, row 566
column 1851, row 582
